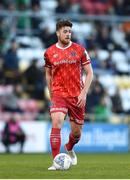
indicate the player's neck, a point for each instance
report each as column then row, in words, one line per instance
column 63, row 46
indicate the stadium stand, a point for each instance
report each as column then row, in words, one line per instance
column 27, row 28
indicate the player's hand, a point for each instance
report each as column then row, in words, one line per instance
column 82, row 99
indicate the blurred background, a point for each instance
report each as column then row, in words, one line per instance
column 27, row 28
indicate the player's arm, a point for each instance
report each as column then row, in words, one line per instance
column 86, row 64
column 48, row 74
column 48, row 78
column 88, row 79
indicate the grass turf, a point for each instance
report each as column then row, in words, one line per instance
column 90, row 166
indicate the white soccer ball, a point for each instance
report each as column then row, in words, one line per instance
column 62, row 161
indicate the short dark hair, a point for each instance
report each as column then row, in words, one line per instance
column 62, row 23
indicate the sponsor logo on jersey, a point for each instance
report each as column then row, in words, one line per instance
column 65, row 62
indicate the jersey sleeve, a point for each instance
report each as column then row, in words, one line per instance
column 47, row 61
column 85, row 57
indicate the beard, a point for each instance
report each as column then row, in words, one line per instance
column 65, row 41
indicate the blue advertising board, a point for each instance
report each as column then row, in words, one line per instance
column 98, row 138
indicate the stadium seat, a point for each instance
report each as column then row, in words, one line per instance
column 49, row 6
column 28, row 105
column 102, row 54
column 118, row 57
column 108, row 82
column 125, row 96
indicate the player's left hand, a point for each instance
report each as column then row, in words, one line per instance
column 82, row 99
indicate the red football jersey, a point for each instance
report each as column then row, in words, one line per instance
column 66, row 67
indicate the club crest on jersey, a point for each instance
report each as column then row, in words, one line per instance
column 55, row 56
column 73, row 53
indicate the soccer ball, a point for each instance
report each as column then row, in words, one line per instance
column 62, row 161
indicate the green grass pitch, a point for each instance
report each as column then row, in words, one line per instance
column 90, row 166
